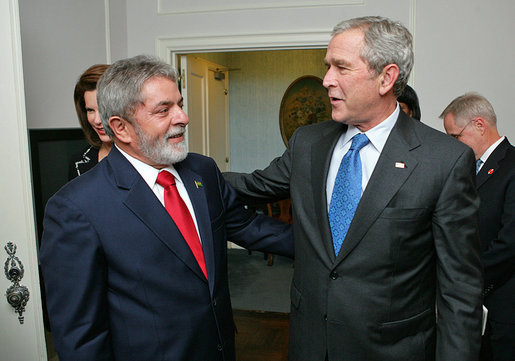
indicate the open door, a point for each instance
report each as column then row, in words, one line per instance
column 21, row 333
column 205, row 89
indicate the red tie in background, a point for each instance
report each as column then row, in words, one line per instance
column 180, row 214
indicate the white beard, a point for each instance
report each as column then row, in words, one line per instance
column 160, row 151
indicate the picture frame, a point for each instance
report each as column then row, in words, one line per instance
column 304, row 102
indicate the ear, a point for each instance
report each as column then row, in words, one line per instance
column 480, row 125
column 387, row 78
column 121, row 129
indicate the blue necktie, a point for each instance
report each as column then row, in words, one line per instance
column 478, row 165
column 346, row 192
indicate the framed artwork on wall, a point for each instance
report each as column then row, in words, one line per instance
column 304, row 102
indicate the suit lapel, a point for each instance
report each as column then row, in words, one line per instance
column 194, row 185
column 141, row 200
column 492, row 163
column 321, row 153
column 388, row 176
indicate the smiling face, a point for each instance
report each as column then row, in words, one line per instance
column 159, row 124
column 90, row 100
column 354, row 89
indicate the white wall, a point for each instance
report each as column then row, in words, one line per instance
column 465, row 45
column 460, row 45
column 61, row 39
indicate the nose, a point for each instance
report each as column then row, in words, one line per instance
column 98, row 121
column 329, row 79
column 180, row 117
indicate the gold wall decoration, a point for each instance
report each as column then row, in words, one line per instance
column 304, row 102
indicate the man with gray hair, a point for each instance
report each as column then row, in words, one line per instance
column 134, row 252
column 387, row 259
column 471, row 119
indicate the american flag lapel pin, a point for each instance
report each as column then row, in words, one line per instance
column 401, row 165
column 198, row 184
column 490, row 171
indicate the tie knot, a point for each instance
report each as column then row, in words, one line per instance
column 478, row 165
column 165, row 179
column 359, row 141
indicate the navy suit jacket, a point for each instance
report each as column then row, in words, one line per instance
column 121, row 282
column 496, row 186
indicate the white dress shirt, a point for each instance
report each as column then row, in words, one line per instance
column 489, row 151
column 369, row 154
column 149, row 174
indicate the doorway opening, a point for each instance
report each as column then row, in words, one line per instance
column 257, row 82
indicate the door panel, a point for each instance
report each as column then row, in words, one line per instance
column 206, row 103
column 195, row 105
column 218, row 137
column 18, row 342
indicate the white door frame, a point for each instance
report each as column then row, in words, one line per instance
column 18, row 342
column 168, row 48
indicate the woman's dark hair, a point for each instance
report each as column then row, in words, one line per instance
column 409, row 97
column 87, row 82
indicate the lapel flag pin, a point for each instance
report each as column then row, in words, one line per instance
column 491, row 171
column 400, row 165
column 198, row 184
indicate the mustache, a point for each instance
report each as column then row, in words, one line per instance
column 178, row 131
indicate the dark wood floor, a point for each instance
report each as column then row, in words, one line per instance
column 262, row 336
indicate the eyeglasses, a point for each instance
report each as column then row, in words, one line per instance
column 456, row 136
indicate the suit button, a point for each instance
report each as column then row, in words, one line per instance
column 220, row 348
column 325, row 317
column 334, row 275
column 214, row 303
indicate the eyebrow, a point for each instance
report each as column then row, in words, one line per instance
column 342, row 62
column 166, row 102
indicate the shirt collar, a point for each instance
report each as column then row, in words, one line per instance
column 378, row 134
column 491, row 149
column 147, row 172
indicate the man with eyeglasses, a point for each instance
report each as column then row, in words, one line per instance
column 471, row 119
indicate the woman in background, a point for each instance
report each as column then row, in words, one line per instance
column 85, row 97
column 408, row 101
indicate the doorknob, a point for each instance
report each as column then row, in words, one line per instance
column 17, row 295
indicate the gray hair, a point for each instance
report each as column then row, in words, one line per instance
column 469, row 106
column 386, row 42
column 119, row 88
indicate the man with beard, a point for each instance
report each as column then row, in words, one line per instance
column 134, row 251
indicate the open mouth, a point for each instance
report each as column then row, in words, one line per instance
column 334, row 98
column 176, row 138
column 176, row 135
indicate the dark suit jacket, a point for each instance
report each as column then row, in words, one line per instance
column 82, row 162
column 496, row 187
column 413, row 241
column 122, row 283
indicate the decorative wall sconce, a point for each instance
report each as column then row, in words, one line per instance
column 17, row 295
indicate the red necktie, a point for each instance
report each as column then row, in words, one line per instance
column 180, row 214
